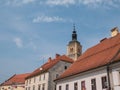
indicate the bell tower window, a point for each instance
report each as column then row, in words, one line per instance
column 71, row 50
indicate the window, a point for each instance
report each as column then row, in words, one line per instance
column 71, row 50
column 33, row 87
column 60, row 87
column 83, row 85
column 34, row 79
column 29, row 81
column 39, row 78
column 67, row 87
column 43, row 87
column 28, row 88
column 65, row 67
column 75, row 86
column 57, row 75
column 119, row 77
column 44, row 77
column 39, row 87
column 26, row 82
column 93, row 84
column 104, row 82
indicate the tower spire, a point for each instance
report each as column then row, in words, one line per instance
column 74, row 48
column 73, row 27
column 74, row 35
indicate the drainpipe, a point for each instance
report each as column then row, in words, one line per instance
column 108, row 77
column 108, row 71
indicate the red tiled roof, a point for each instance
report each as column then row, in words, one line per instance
column 16, row 79
column 49, row 64
column 105, row 52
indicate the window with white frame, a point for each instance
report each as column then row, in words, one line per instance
column 26, row 82
column 119, row 78
column 34, row 79
column 9, row 87
column 33, row 87
column 75, row 86
column 40, row 78
column 43, row 86
column 29, row 81
column 28, row 88
column 83, row 85
column 60, row 87
column 39, row 87
column 104, row 82
column 93, row 84
column 67, row 87
column 44, row 77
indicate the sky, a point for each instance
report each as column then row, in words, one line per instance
column 31, row 31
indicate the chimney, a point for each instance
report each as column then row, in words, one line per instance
column 114, row 32
column 103, row 39
column 57, row 55
column 49, row 59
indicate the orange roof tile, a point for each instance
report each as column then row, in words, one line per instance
column 107, row 51
column 50, row 64
column 16, row 79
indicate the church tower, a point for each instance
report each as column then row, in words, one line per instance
column 74, row 48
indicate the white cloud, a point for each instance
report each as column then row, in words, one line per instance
column 60, row 2
column 48, row 19
column 27, row 1
column 100, row 3
column 18, row 41
column 19, row 2
column 92, row 3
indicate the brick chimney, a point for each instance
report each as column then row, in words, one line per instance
column 49, row 59
column 57, row 55
column 114, row 32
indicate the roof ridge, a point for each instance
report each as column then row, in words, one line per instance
column 98, row 52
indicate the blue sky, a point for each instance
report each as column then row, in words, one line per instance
column 33, row 30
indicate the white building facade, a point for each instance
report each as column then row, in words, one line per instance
column 96, row 79
column 39, row 82
column 16, row 82
column 96, row 69
column 43, row 77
